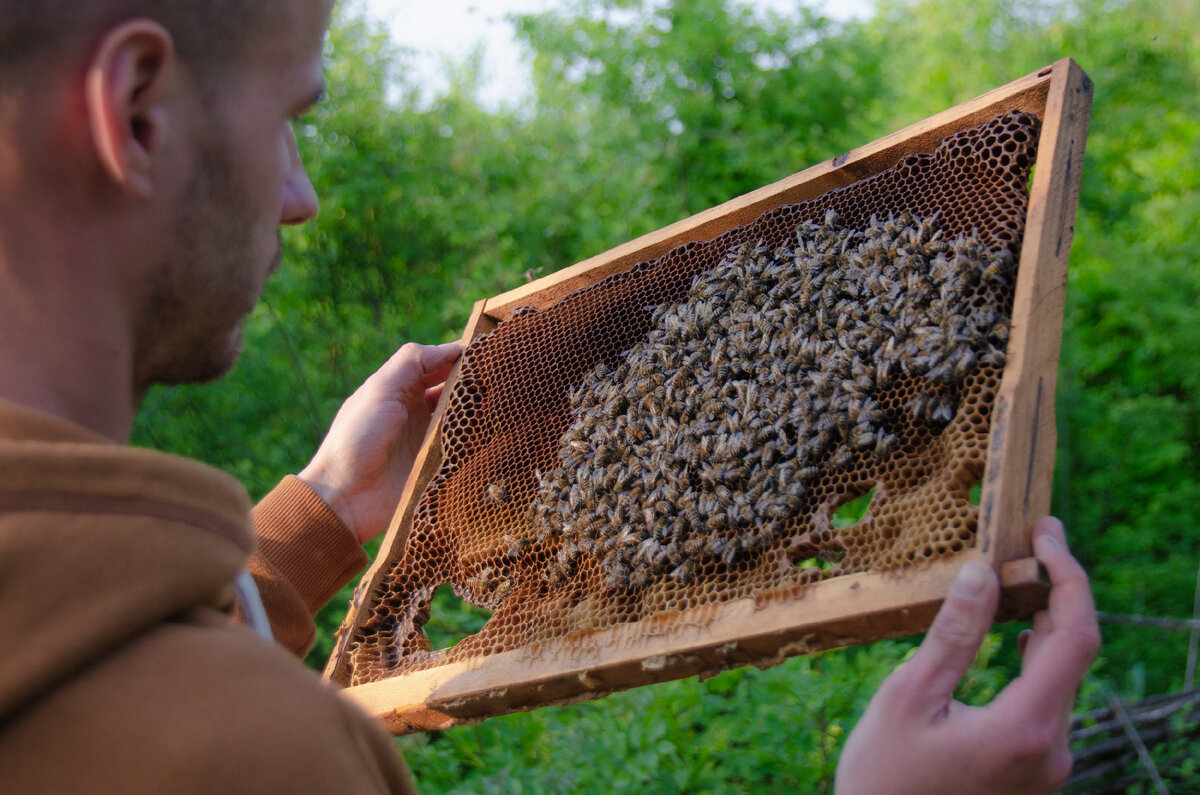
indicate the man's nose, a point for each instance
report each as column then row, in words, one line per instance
column 300, row 203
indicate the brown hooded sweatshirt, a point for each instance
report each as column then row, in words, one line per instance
column 120, row 668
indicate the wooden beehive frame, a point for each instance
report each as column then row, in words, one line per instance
column 850, row 609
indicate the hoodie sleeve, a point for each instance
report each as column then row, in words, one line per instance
column 305, row 555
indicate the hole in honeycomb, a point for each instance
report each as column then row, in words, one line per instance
column 849, row 513
column 690, row 431
column 822, row 561
column 451, row 619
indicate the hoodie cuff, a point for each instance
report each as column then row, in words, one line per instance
column 309, row 545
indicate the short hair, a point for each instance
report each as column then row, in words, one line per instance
column 210, row 35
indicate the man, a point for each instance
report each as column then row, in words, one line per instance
column 146, row 163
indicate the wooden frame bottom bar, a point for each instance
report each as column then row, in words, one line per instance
column 762, row 632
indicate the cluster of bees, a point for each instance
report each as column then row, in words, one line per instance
column 707, row 438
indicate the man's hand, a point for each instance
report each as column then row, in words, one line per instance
column 914, row 738
column 361, row 467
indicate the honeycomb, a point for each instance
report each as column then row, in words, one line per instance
column 682, row 433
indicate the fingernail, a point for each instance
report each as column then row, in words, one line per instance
column 971, row 580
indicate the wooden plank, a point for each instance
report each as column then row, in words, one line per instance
column 837, row 612
column 1025, row 589
column 1021, row 448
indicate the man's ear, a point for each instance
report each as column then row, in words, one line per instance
column 128, row 77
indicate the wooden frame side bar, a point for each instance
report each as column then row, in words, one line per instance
column 1021, row 448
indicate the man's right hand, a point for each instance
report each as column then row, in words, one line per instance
column 914, row 738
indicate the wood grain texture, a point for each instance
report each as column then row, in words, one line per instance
column 703, row 641
column 1021, row 448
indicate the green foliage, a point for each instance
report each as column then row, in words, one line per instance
column 743, row 730
column 852, row 512
column 1128, row 480
column 694, row 103
column 452, row 618
column 645, row 112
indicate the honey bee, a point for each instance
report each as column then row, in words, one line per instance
column 653, row 553
column 916, row 405
column 943, row 412
column 964, row 363
column 503, row 588
column 992, row 358
column 942, row 372
column 498, row 492
column 996, row 271
column 685, row 572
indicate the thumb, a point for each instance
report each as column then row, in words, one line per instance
column 954, row 637
column 436, row 359
column 411, row 365
column 435, row 363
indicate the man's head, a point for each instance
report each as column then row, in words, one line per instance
column 157, row 136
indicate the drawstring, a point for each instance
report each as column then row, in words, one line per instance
column 256, row 614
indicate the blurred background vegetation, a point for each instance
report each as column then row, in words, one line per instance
column 643, row 113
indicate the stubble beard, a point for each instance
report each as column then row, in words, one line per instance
column 193, row 329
